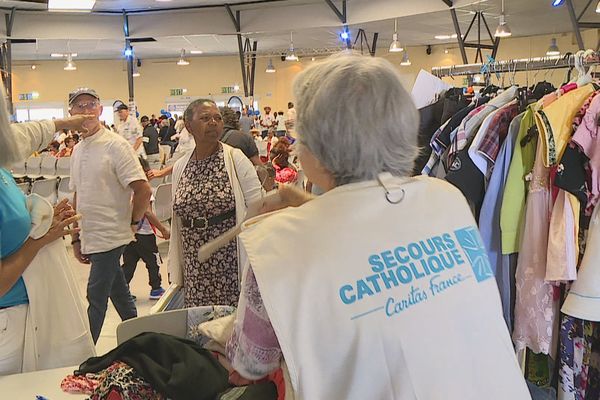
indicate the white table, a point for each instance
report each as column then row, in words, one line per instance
column 45, row 383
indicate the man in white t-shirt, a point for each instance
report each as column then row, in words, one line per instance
column 267, row 121
column 130, row 129
column 105, row 175
column 179, row 125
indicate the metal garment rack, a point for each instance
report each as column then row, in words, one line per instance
column 513, row 66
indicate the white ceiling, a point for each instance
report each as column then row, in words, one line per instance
column 526, row 18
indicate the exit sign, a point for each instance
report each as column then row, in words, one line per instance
column 176, row 92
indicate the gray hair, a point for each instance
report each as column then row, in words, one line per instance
column 230, row 119
column 356, row 118
column 188, row 114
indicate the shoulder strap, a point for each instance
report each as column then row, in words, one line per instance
column 226, row 136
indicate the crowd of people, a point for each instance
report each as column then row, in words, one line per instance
column 296, row 271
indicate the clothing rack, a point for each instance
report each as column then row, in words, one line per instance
column 519, row 65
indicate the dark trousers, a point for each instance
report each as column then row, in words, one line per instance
column 107, row 280
column 263, row 134
column 145, row 248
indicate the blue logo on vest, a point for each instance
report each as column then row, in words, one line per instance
column 470, row 241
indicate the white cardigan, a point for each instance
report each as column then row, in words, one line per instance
column 246, row 190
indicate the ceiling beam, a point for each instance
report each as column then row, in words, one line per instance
column 575, row 24
column 448, row 3
column 342, row 15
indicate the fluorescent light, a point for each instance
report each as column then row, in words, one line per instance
column 71, row 5
column 196, row 52
column 61, row 55
column 446, row 37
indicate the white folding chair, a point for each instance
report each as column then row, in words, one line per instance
column 24, row 187
column 154, row 183
column 48, row 167
column 63, row 166
column 19, row 170
column 170, row 322
column 47, row 188
column 33, row 167
column 162, row 202
column 63, row 190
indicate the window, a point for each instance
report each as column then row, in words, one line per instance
column 39, row 112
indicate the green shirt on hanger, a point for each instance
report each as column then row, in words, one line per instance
column 515, row 192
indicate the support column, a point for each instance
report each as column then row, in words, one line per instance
column 129, row 58
column 236, row 19
column 575, row 24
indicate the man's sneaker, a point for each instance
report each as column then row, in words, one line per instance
column 156, row 293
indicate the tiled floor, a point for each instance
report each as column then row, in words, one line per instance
column 139, row 287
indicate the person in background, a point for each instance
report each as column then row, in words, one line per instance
column 150, row 138
column 246, row 122
column 290, row 122
column 270, row 141
column 280, row 154
column 38, row 324
column 236, row 138
column 60, row 136
column 212, row 187
column 179, row 125
column 267, row 121
column 130, row 129
column 144, row 247
column 75, row 137
column 105, row 171
column 280, row 124
column 53, row 148
column 70, row 142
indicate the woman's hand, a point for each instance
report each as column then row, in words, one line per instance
column 286, row 196
column 59, row 230
column 62, row 211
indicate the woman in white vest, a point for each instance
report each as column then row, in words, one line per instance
column 381, row 288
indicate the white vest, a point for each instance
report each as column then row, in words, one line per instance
column 374, row 300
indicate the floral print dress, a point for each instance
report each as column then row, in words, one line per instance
column 204, row 191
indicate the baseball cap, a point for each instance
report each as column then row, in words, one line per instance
column 79, row 91
column 122, row 107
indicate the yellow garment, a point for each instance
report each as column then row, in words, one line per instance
column 555, row 122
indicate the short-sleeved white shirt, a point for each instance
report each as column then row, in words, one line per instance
column 131, row 130
column 102, row 167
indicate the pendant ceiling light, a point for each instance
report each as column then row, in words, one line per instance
column 395, row 46
column 553, row 49
column 291, row 54
column 69, row 64
column 182, row 60
column 503, row 29
column 270, row 67
column 136, row 71
column 405, row 60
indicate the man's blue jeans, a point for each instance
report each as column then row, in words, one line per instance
column 107, row 280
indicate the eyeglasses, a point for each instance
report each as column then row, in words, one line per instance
column 85, row 106
column 206, row 118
